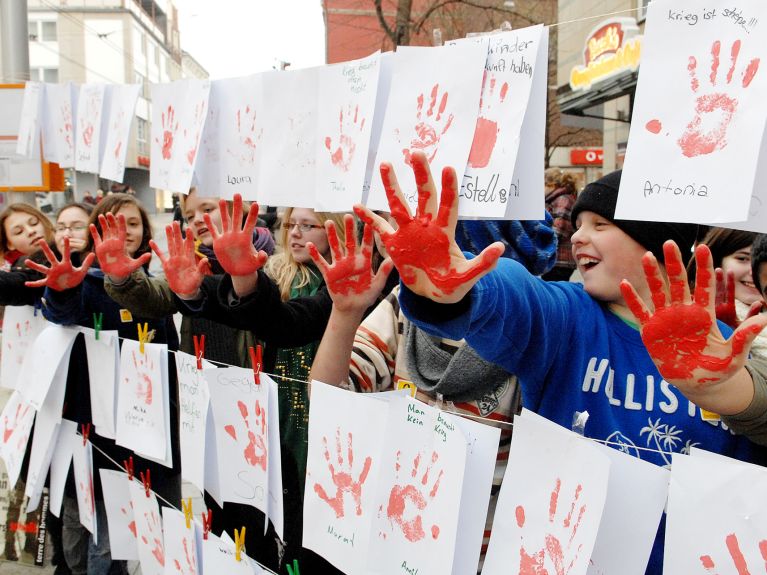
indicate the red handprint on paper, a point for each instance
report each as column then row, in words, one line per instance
column 9, row 426
column 486, row 132
column 736, row 555
column 248, row 136
column 343, row 480
column 154, row 530
column 143, row 384
column 132, row 524
column 255, row 452
column 432, row 125
column 533, row 563
column 190, row 559
column 349, row 124
column 66, row 123
column 714, row 110
column 195, row 142
column 88, row 502
column 408, row 491
column 169, row 130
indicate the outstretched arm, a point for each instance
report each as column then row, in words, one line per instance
column 423, row 248
column 111, row 249
column 353, row 288
column 683, row 339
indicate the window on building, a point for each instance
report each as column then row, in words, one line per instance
column 157, row 56
column 142, row 136
column 50, row 75
column 32, row 30
column 143, row 44
column 49, row 32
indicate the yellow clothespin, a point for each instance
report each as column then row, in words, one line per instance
column 187, row 507
column 143, row 332
column 239, row 543
column 409, row 385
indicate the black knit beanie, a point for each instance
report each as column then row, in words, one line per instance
column 758, row 257
column 601, row 196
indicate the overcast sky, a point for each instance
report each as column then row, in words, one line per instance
column 239, row 37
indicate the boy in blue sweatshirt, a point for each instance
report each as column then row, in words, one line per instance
column 574, row 348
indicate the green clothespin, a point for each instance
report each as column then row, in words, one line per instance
column 97, row 319
column 294, row 570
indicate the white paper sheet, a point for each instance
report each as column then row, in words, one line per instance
column 118, row 118
column 82, row 463
column 180, row 544
column 103, row 361
column 16, row 420
column 21, row 326
column 90, row 108
column 59, row 124
column 219, row 557
column 119, row 511
column 62, row 458
column 699, row 106
column 193, row 398
column 54, row 344
column 149, row 535
column 28, row 142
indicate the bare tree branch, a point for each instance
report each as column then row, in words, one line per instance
column 437, row 5
column 384, row 24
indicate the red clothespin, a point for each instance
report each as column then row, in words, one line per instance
column 128, row 463
column 255, row 359
column 86, row 431
column 199, row 349
column 207, row 519
column 147, row 481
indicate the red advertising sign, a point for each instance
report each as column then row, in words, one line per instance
column 586, row 157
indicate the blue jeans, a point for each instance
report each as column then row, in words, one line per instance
column 82, row 554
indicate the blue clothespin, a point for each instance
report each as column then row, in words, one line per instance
column 98, row 318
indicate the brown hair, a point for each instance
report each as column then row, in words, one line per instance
column 27, row 209
column 112, row 204
column 723, row 242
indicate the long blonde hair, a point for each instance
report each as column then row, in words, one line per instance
column 284, row 269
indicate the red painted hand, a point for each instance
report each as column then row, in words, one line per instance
column 154, row 530
column 423, row 248
column 350, row 279
column 681, row 335
column 736, row 555
column 234, row 245
column 61, row 275
column 111, row 249
column 255, row 452
column 725, row 298
column 182, row 270
column 342, row 478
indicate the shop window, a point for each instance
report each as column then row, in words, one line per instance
column 49, row 32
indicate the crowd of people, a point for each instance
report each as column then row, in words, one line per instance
column 479, row 315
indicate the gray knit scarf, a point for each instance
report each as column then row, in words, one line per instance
column 462, row 376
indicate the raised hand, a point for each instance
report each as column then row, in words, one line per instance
column 681, row 335
column 234, row 245
column 61, row 275
column 423, row 248
column 182, row 270
column 111, row 249
column 350, row 278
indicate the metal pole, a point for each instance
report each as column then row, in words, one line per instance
column 15, row 40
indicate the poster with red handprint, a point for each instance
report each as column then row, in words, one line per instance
column 420, row 483
column 347, row 99
column 193, row 398
column 118, row 119
column 82, row 465
column 181, row 556
column 149, row 535
column 179, row 110
column 342, row 472
column 90, row 109
column 232, row 141
column 30, row 122
column 550, row 505
column 499, row 179
column 21, row 326
column 699, row 106
column 15, row 426
column 246, row 426
column 121, row 523
column 143, row 409
column 717, row 521
column 59, row 123
column 287, row 175
column 432, row 108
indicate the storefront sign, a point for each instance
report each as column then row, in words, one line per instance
column 586, row 157
column 612, row 47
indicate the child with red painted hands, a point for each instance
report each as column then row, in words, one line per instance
column 685, row 343
column 574, row 348
column 120, row 231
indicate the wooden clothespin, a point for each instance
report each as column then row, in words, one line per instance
column 128, row 463
column 199, row 349
column 256, row 360
column 239, row 543
column 98, row 318
column 86, row 431
column 186, row 505
column 143, row 332
column 147, row 481
column 294, row 570
column 207, row 519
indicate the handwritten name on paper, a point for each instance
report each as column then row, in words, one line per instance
column 333, row 532
column 691, row 190
column 415, row 415
column 443, row 427
column 354, row 76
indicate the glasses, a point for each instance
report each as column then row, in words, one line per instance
column 72, row 228
column 303, row 228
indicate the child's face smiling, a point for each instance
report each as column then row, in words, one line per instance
column 605, row 255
